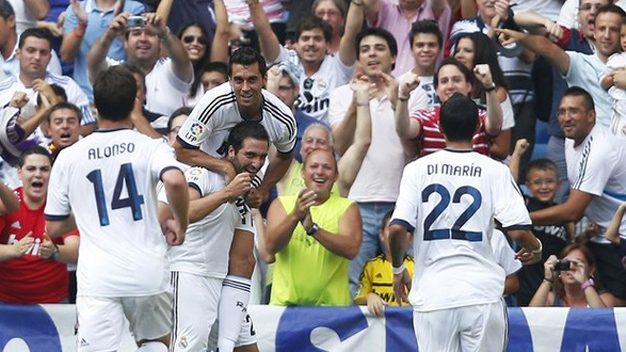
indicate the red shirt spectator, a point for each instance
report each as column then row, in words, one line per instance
column 30, row 279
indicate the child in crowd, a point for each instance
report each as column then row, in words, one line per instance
column 616, row 63
column 376, row 290
column 542, row 181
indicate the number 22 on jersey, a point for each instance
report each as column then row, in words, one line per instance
column 125, row 177
column 444, row 202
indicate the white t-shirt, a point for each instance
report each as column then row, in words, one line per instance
column 165, row 92
column 217, row 113
column 315, row 90
column 378, row 179
column 24, row 19
column 617, row 62
column 598, row 166
column 207, row 242
column 108, row 180
column 449, row 199
column 74, row 95
column 546, row 8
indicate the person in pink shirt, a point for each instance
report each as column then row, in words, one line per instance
column 398, row 18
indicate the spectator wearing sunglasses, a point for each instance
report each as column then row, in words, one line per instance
column 85, row 21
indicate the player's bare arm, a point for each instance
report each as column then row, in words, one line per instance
column 178, row 198
column 197, row 157
column 401, row 279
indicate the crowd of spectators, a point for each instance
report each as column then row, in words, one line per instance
column 364, row 80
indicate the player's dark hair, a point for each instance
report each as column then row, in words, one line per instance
column 6, row 10
column 114, row 93
column 310, row 23
column 180, row 111
column 426, row 27
column 458, row 118
column 39, row 150
column 386, row 218
column 610, row 8
column 64, row 105
column 246, row 129
column 469, row 77
column 377, row 32
column 575, row 91
column 58, row 91
column 41, row 33
column 541, row 165
column 247, row 56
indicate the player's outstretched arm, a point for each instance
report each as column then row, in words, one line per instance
column 531, row 246
column 178, row 199
column 401, row 277
column 279, row 164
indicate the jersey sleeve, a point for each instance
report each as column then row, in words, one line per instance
column 198, row 178
column 193, row 131
column 508, row 203
column 57, row 202
column 365, row 281
column 163, row 159
column 405, row 213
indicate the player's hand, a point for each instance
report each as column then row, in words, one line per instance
column 23, row 245
column 174, row 232
column 306, row 198
column 402, row 287
column 521, row 146
column 375, row 304
column 46, row 248
column 483, row 74
column 239, row 186
column 19, row 100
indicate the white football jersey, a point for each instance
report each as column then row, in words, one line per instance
column 449, row 199
column 217, row 113
column 207, row 242
column 107, row 180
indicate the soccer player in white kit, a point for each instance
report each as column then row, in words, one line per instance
column 216, row 211
column 200, row 141
column 449, row 200
column 107, row 181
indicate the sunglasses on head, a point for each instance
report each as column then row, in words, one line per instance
column 188, row 39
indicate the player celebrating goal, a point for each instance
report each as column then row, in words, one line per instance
column 449, row 200
column 108, row 181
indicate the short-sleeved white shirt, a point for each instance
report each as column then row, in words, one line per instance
column 598, row 166
column 504, row 254
column 315, row 90
column 217, row 113
column 378, row 179
column 74, row 94
column 449, row 199
column 207, row 242
column 165, row 92
column 108, row 180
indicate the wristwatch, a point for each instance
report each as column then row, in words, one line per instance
column 490, row 88
column 313, row 230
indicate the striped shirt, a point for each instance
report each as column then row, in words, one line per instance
column 217, row 113
column 431, row 139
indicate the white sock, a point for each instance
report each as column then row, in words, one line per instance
column 152, row 346
column 232, row 310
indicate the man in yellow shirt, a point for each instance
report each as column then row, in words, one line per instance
column 313, row 236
